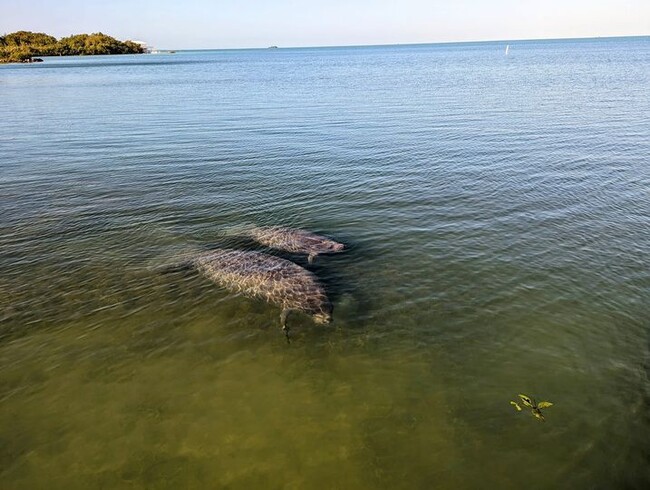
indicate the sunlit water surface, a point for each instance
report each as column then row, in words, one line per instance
column 496, row 211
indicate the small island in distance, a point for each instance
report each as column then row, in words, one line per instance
column 25, row 46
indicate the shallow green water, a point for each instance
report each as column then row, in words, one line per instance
column 497, row 216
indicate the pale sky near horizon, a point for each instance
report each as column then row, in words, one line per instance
column 199, row 24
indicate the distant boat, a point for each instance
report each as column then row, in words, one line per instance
column 273, row 47
column 507, row 49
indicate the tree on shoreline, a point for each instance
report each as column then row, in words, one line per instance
column 24, row 45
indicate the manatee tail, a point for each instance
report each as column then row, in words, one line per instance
column 175, row 262
column 240, row 230
column 172, row 267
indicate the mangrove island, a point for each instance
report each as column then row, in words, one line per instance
column 25, row 46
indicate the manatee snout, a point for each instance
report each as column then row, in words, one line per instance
column 322, row 318
column 322, row 313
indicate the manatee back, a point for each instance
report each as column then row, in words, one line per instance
column 273, row 279
column 293, row 240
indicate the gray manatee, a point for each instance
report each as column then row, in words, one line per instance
column 294, row 240
column 275, row 280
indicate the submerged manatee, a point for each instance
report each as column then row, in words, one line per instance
column 294, row 240
column 272, row 279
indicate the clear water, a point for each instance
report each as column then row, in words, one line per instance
column 497, row 210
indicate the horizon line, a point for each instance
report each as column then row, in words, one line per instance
column 410, row 43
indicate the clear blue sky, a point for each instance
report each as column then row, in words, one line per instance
column 186, row 24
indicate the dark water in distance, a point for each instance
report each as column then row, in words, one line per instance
column 497, row 212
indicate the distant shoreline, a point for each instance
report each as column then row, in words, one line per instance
column 28, row 47
column 144, row 49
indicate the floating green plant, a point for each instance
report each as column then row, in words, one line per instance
column 536, row 408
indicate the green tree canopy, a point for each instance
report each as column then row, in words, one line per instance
column 28, row 38
column 24, row 45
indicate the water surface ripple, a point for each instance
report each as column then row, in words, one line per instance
column 497, row 213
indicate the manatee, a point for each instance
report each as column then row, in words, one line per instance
column 294, row 240
column 275, row 280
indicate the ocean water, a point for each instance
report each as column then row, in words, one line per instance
column 496, row 211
